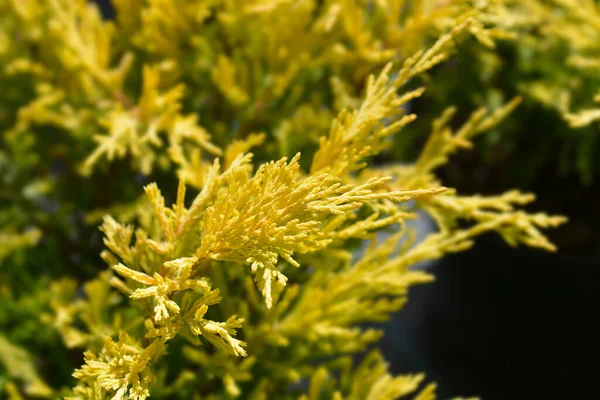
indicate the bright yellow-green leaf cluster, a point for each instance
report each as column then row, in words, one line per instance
column 19, row 365
column 257, row 78
column 371, row 381
column 249, row 274
column 137, row 130
column 122, row 366
column 12, row 241
column 573, row 25
column 279, row 219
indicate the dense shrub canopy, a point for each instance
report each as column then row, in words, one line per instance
column 272, row 139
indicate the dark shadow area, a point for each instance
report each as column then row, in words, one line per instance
column 503, row 323
column 106, row 7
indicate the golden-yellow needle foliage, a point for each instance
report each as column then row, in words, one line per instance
column 253, row 127
column 279, row 218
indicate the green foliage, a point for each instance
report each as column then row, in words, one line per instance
column 250, row 283
column 552, row 61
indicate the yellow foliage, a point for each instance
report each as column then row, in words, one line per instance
column 12, row 241
column 281, row 217
column 575, row 25
column 257, row 260
column 121, row 366
column 136, row 132
column 19, row 365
